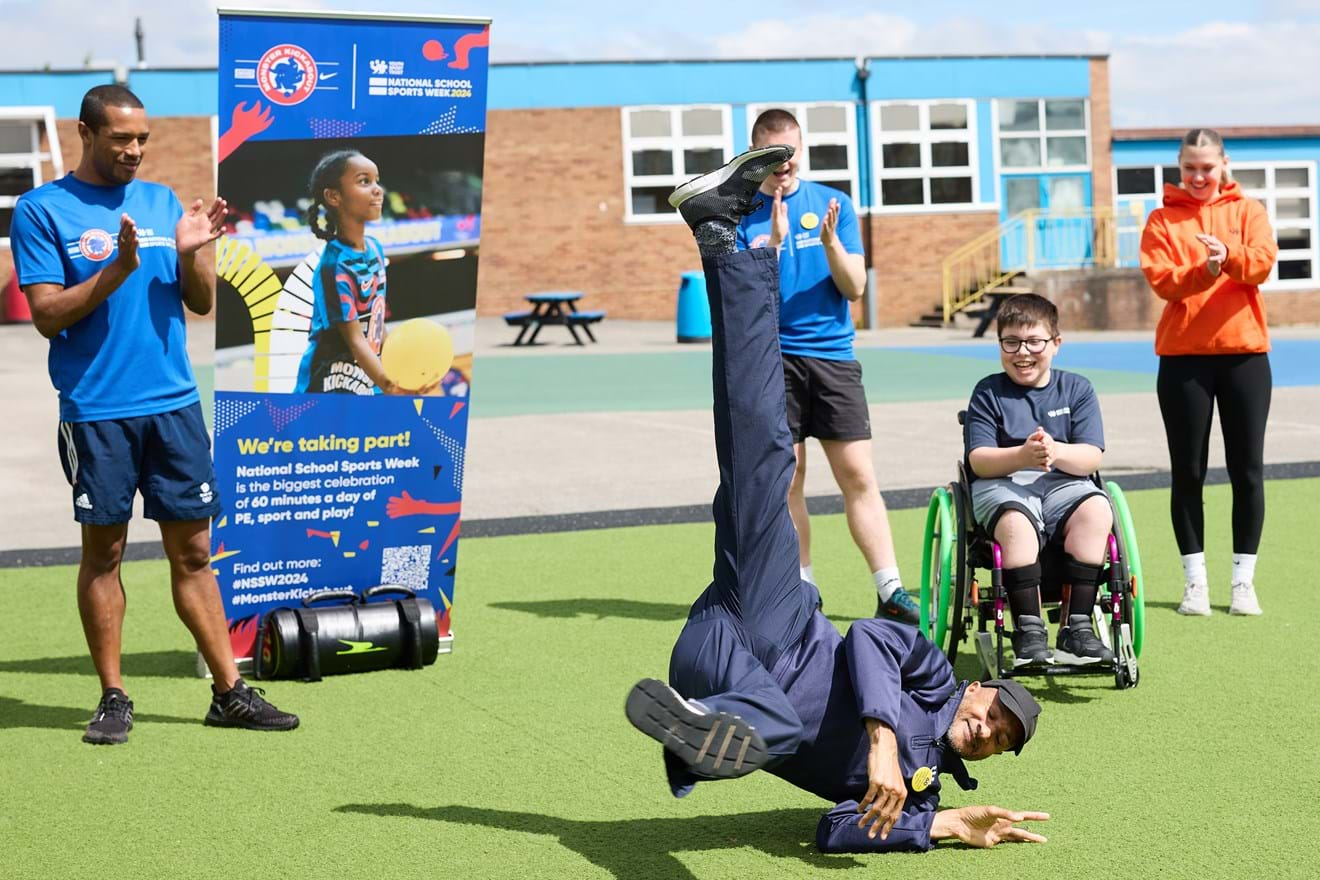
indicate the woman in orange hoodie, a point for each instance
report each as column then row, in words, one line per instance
column 1205, row 253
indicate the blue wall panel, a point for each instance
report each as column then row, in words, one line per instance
column 61, row 90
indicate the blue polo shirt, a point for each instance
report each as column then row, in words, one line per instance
column 814, row 318
column 127, row 358
column 1003, row 414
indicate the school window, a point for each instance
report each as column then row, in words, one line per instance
column 1043, row 134
column 1287, row 190
column 829, row 141
column 1148, row 181
column 924, row 153
column 20, row 165
column 666, row 146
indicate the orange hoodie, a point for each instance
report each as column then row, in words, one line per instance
column 1205, row 314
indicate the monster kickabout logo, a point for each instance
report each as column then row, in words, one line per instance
column 286, row 74
column 96, row 245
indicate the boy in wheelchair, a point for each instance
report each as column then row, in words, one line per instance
column 1033, row 436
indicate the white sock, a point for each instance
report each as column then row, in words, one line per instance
column 806, row 573
column 1194, row 568
column 1244, row 568
column 886, row 582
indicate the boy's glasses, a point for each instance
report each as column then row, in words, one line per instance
column 1012, row 345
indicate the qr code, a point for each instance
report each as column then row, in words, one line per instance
column 406, row 566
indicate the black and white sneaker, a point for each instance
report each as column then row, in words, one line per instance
column 1077, row 643
column 1031, row 646
column 728, row 193
column 246, row 707
column 112, row 721
column 714, row 745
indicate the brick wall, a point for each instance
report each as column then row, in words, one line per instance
column 908, row 255
column 552, row 218
column 1102, row 177
column 1120, row 299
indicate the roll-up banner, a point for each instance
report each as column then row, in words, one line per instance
column 350, row 153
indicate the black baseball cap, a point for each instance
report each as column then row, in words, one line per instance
column 1019, row 701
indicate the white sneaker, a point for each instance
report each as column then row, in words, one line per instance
column 1196, row 600
column 1244, row 599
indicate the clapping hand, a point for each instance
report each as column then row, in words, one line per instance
column 778, row 219
column 1217, row 252
column 829, row 227
column 199, row 226
column 1040, row 449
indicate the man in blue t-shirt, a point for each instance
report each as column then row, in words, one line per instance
column 1033, row 438
column 822, row 270
column 108, row 262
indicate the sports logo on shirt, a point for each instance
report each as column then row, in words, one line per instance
column 96, row 245
column 760, row 241
column 286, row 74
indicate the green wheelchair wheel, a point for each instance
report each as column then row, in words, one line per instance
column 937, row 568
column 1130, row 551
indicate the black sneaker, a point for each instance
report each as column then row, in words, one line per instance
column 714, row 745
column 112, row 721
column 1030, row 644
column 728, row 193
column 245, row 707
column 1077, row 643
column 900, row 607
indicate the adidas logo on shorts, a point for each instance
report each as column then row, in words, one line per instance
column 83, row 502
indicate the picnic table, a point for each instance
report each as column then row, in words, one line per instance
column 553, row 307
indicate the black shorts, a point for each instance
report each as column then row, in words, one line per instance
column 166, row 457
column 825, row 399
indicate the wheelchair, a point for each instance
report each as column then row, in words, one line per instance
column 952, row 598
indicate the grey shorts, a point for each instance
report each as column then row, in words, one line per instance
column 1047, row 498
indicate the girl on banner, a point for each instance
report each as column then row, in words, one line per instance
column 348, row 309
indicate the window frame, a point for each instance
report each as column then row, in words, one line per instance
column 676, row 142
column 817, row 139
column 1269, row 197
column 32, row 160
column 924, row 136
column 1042, row 136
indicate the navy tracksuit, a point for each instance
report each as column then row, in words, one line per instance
column 755, row 643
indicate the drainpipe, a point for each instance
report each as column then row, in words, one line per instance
column 871, row 308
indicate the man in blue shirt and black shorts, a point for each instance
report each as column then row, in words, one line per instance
column 108, row 262
column 822, row 270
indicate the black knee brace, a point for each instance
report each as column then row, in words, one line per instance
column 1023, row 587
column 1084, row 578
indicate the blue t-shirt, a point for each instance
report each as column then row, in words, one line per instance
column 128, row 357
column 1003, row 414
column 814, row 318
column 348, row 285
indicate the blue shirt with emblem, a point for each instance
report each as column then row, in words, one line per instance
column 127, row 358
column 814, row 318
column 1003, row 414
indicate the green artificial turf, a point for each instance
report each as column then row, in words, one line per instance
column 511, row 758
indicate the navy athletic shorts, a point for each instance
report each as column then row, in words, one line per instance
column 166, row 457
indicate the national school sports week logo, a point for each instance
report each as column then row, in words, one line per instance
column 96, row 245
column 287, row 74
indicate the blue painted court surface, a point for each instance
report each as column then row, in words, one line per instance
column 1294, row 362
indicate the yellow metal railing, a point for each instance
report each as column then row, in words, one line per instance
column 1031, row 241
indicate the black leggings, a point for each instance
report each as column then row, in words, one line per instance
column 1188, row 387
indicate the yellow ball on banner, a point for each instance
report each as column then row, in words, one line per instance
column 417, row 353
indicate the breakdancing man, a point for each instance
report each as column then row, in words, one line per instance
column 760, row 678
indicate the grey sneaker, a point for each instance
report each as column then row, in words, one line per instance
column 1196, row 600
column 1030, row 644
column 1078, row 645
column 714, row 745
column 112, row 721
column 1244, row 599
column 728, row 193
